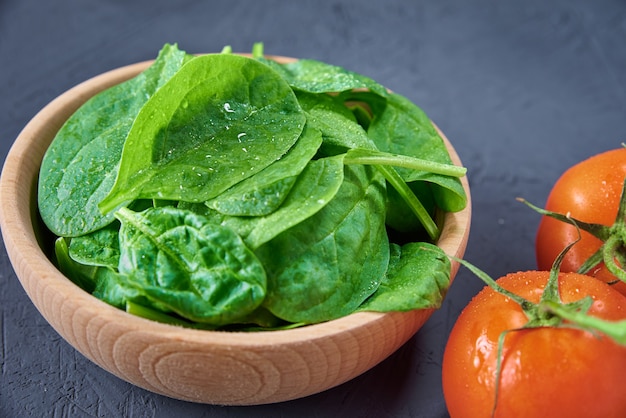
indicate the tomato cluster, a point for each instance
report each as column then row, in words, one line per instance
column 552, row 342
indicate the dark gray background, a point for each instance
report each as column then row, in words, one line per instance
column 523, row 89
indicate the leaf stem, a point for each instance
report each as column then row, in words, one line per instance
column 375, row 157
column 258, row 50
column 412, row 201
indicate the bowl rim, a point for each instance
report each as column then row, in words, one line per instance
column 18, row 223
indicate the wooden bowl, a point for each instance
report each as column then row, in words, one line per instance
column 225, row 368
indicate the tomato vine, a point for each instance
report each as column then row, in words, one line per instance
column 612, row 252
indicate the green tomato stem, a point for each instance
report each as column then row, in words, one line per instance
column 551, row 292
column 614, row 329
column 591, row 262
column 599, row 231
column 613, row 250
column 524, row 303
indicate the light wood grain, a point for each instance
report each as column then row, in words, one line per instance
column 227, row 368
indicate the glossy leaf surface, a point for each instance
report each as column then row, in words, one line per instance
column 219, row 120
column 80, row 166
column 326, row 266
column 201, row 271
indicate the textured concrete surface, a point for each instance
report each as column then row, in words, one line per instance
column 522, row 89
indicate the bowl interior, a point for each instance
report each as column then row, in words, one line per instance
column 228, row 368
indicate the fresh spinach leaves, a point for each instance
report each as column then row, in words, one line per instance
column 98, row 248
column 264, row 192
column 330, row 263
column 319, row 77
column 227, row 192
column 217, row 121
column 202, row 271
column 417, row 278
column 80, row 166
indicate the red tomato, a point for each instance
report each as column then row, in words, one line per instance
column 590, row 191
column 545, row 372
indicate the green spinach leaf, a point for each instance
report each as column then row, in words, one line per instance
column 336, row 122
column 114, row 289
column 326, row 266
column 98, row 248
column 164, row 317
column 79, row 167
column 403, row 128
column 315, row 187
column 418, row 278
column 219, row 120
column 319, row 77
column 410, row 202
column 201, row 271
column 401, row 219
column 83, row 276
column 234, row 193
column 262, row 193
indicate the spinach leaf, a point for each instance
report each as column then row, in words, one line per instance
column 220, row 119
column 98, row 248
column 386, row 163
column 80, row 166
column 364, row 104
column 114, row 289
column 242, row 194
column 319, row 77
column 83, row 276
column 326, row 266
column 159, row 315
column 102, row 282
column 342, row 133
column 339, row 128
column 262, row 193
column 403, row 128
column 418, row 278
column 315, row 187
column 411, row 200
column 201, row 271
column 401, row 219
